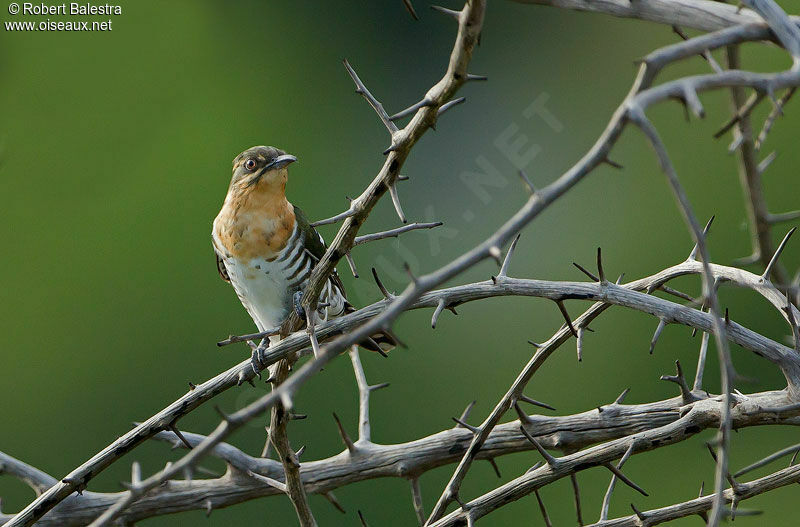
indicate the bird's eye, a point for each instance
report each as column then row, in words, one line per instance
column 250, row 164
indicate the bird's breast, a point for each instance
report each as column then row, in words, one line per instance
column 254, row 225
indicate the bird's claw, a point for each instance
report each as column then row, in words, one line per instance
column 258, row 358
column 298, row 306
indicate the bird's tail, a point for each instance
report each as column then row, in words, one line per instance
column 381, row 342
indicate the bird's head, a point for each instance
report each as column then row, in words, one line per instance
column 261, row 166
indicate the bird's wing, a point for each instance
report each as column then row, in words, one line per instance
column 314, row 244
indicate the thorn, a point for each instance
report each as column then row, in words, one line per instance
column 495, row 467
column 178, row 433
column 622, row 477
column 333, row 219
column 475, row 430
column 542, row 509
column 362, row 90
column 662, row 323
column 275, row 484
column 691, row 98
column 413, row 13
column 411, row 109
column 297, row 417
column 386, row 294
column 551, row 461
column 449, row 12
column 209, row 508
column 693, row 254
column 363, row 521
column 577, row 492
column 686, row 394
column 586, row 272
column 600, row 266
column 637, row 512
column 449, row 104
column 527, row 182
column 300, row 452
column 333, row 501
column 396, row 202
column 614, row 164
column 507, row 260
column 565, row 314
column 526, row 399
column 351, row 263
column 523, row 417
column 621, row 397
column 766, row 162
column 192, row 386
column 471, row 77
column 437, row 312
column 777, row 254
column 535, row 466
column 376, row 387
column 534, row 344
column 351, row 447
column 467, row 411
column 619, row 279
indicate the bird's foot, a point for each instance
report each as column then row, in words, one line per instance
column 298, row 306
column 258, row 358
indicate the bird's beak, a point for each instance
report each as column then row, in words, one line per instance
column 280, row 162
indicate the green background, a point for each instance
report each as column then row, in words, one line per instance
column 117, row 150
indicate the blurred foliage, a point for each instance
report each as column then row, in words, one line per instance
column 117, row 150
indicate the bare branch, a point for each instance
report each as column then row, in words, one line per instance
column 394, row 233
column 705, row 15
column 794, row 449
column 376, row 105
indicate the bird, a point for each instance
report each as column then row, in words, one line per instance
column 266, row 249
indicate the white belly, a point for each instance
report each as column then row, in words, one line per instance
column 266, row 288
column 263, row 289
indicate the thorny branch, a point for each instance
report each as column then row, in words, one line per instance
column 245, row 476
column 695, row 411
column 469, row 28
